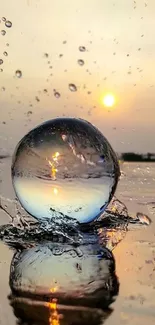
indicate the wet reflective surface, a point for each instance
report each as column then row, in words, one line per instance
column 65, row 167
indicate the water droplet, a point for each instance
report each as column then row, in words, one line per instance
column 1, row 70
column 56, row 94
column 5, row 53
column 72, row 87
column 64, row 42
column 37, row 99
column 81, row 62
column 82, row 48
column 3, row 88
column 7, row 44
column 65, row 168
column 3, row 32
column 46, row 55
column 60, row 55
column 18, row 73
column 1, row 61
column 3, row 19
column 29, row 113
column 8, row 24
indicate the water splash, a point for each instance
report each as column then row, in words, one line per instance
column 24, row 231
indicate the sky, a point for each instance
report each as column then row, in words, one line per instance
column 119, row 37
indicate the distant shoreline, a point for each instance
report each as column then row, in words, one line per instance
column 134, row 157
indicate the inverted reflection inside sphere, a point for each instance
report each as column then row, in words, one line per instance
column 65, row 167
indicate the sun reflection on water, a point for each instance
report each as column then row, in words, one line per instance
column 54, row 318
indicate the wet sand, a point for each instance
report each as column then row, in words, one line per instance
column 135, row 255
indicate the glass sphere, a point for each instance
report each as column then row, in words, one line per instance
column 65, row 167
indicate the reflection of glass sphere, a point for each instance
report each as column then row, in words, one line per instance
column 73, row 285
column 80, row 279
column 65, row 166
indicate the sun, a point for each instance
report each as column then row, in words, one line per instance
column 108, row 100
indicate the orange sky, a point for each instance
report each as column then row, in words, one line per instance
column 119, row 58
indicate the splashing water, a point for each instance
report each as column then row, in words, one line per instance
column 65, row 167
column 24, row 231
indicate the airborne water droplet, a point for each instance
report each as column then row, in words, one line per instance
column 3, row 32
column 8, row 24
column 72, row 87
column 18, row 73
column 37, row 99
column 81, row 62
column 82, row 48
column 3, row 18
column 1, row 61
column 56, row 94
column 5, row 53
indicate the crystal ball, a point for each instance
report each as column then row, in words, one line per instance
column 65, row 167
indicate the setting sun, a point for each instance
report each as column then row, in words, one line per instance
column 108, row 100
